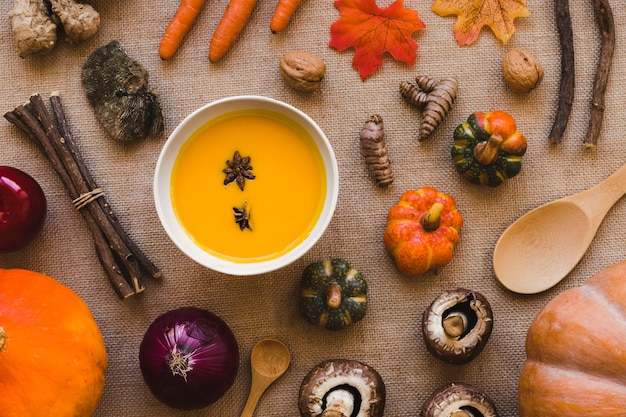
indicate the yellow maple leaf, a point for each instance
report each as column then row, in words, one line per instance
column 474, row 14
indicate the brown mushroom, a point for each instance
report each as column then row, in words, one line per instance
column 342, row 388
column 457, row 325
column 459, row 400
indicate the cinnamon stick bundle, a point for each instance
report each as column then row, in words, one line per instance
column 125, row 264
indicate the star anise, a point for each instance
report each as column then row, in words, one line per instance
column 242, row 217
column 238, row 170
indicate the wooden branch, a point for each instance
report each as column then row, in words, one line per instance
column 120, row 257
column 566, row 89
column 606, row 24
column 64, row 129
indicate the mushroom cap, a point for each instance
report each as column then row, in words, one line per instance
column 472, row 310
column 458, row 398
column 362, row 380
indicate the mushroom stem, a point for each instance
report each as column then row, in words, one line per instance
column 339, row 403
column 486, row 152
column 432, row 218
column 455, row 325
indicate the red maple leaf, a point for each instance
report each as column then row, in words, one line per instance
column 372, row 31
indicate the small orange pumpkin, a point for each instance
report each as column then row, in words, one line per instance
column 52, row 354
column 422, row 230
column 488, row 148
column 576, row 352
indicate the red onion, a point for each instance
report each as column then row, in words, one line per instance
column 189, row 358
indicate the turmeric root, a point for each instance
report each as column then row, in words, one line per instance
column 372, row 139
column 425, row 83
column 34, row 24
column 33, row 30
column 434, row 98
column 413, row 95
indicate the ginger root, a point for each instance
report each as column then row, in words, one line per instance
column 434, row 98
column 34, row 24
column 33, row 29
column 372, row 139
column 80, row 21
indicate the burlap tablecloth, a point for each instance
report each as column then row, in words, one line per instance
column 389, row 337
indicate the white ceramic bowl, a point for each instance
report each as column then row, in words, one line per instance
column 169, row 154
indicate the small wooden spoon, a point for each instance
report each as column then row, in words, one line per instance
column 269, row 360
column 540, row 248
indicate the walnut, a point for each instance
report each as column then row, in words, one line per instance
column 522, row 72
column 303, row 71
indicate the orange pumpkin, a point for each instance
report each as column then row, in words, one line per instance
column 576, row 352
column 52, row 354
column 488, row 148
column 422, row 230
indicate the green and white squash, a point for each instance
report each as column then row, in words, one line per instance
column 333, row 295
column 488, row 148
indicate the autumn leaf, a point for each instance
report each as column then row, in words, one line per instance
column 372, row 31
column 474, row 14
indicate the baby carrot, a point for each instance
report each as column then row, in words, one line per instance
column 284, row 10
column 234, row 19
column 185, row 16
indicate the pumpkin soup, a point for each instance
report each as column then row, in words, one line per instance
column 249, row 185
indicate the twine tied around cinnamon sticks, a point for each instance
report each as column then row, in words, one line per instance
column 125, row 264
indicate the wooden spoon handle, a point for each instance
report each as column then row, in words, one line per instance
column 259, row 384
column 253, row 400
column 597, row 200
column 615, row 183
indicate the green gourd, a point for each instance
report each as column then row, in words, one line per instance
column 333, row 295
column 488, row 148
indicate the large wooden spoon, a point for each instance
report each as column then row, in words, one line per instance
column 539, row 249
column 269, row 360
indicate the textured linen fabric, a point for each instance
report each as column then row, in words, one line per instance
column 389, row 337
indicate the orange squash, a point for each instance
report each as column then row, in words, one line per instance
column 422, row 230
column 488, row 148
column 576, row 352
column 52, row 354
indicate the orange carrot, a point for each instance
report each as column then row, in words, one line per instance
column 234, row 19
column 185, row 16
column 284, row 10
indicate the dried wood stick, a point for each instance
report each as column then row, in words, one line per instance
column 126, row 256
column 122, row 260
column 566, row 90
column 26, row 121
column 606, row 24
column 64, row 130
